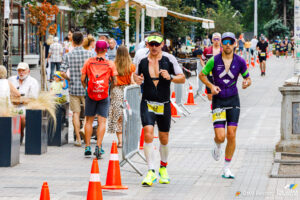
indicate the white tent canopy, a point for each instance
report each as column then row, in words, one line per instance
column 152, row 10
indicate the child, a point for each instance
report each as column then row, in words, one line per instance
column 57, row 87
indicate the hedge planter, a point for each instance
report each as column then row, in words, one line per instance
column 59, row 135
column 10, row 134
column 36, row 132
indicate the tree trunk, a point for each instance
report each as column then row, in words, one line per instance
column 1, row 32
column 284, row 12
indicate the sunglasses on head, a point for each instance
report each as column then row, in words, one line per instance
column 230, row 42
column 152, row 44
column 216, row 39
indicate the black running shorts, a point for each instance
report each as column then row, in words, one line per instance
column 149, row 118
column 262, row 58
column 231, row 106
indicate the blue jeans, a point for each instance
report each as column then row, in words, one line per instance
column 53, row 64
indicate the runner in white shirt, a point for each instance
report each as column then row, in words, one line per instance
column 27, row 86
column 254, row 42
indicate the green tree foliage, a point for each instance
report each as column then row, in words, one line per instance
column 225, row 18
column 275, row 28
column 91, row 14
column 174, row 27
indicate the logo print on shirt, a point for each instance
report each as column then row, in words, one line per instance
column 226, row 81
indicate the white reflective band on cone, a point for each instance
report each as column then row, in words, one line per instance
column 95, row 178
column 114, row 157
column 191, row 91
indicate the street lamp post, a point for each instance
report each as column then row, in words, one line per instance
column 255, row 17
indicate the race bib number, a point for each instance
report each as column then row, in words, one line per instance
column 262, row 54
column 219, row 115
column 155, row 107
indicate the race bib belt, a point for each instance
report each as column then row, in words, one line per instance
column 155, row 107
column 262, row 54
column 219, row 115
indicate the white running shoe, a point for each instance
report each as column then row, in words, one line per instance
column 216, row 152
column 227, row 174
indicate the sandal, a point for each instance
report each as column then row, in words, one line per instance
column 119, row 145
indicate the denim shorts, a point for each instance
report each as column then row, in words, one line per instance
column 93, row 108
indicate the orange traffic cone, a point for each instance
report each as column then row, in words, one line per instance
column 142, row 139
column 247, row 61
column 45, row 194
column 252, row 62
column 257, row 60
column 173, row 109
column 267, row 55
column 113, row 178
column 94, row 190
column 190, row 100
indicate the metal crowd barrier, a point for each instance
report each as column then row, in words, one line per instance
column 131, row 126
column 200, row 85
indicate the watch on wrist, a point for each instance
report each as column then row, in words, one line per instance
column 171, row 77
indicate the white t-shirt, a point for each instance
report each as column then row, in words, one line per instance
column 4, row 89
column 140, row 54
column 253, row 43
column 30, row 87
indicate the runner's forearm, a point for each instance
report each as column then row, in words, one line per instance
column 180, row 78
column 205, row 80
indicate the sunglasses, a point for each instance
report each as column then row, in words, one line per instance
column 230, row 42
column 152, row 44
column 216, row 39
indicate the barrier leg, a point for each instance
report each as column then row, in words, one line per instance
column 185, row 108
column 123, row 162
column 142, row 156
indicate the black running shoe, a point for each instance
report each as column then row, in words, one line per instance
column 87, row 151
column 97, row 152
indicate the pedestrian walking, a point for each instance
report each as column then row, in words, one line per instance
column 112, row 50
column 89, row 43
column 125, row 70
column 73, row 62
column 206, row 42
column 99, row 71
column 241, row 43
column 55, row 56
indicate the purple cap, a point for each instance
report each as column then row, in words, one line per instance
column 228, row 35
column 101, row 45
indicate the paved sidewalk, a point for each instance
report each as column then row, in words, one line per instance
column 193, row 172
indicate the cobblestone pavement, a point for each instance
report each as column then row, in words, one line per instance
column 193, row 172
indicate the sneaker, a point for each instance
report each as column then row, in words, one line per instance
column 149, row 179
column 227, row 174
column 77, row 143
column 164, row 177
column 81, row 132
column 102, row 151
column 88, row 151
column 97, row 152
column 216, row 152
